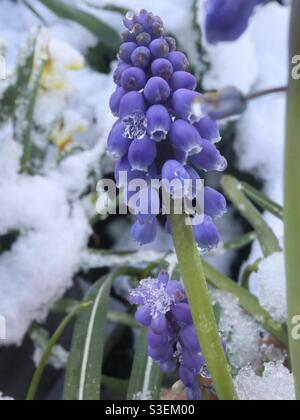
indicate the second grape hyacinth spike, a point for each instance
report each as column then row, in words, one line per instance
column 172, row 340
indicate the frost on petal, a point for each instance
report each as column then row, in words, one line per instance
column 153, row 295
column 135, row 126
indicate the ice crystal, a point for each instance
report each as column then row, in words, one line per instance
column 135, row 126
column 155, row 298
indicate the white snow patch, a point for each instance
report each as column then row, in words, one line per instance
column 3, row 398
column 271, row 281
column 42, row 262
column 246, row 339
column 276, row 384
column 261, row 129
column 10, row 153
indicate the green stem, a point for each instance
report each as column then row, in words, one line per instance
column 262, row 201
column 247, row 301
column 201, row 307
column 265, row 235
column 292, row 199
column 47, row 354
column 248, row 271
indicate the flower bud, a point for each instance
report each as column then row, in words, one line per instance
column 143, row 316
column 185, row 137
column 115, row 101
column 214, row 203
column 187, row 105
column 132, row 103
column 144, row 233
column 178, row 60
column 172, row 43
column 208, row 129
column 142, row 153
column 226, row 20
column 143, row 39
column 119, row 71
column 183, row 80
column 157, row 90
column 126, row 50
column 162, row 68
column 209, row 159
column 158, row 122
column 159, row 48
column 133, row 79
column 141, row 57
column 206, row 234
column 117, row 145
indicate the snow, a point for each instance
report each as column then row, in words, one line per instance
column 65, row 56
column 3, row 398
column 276, row 384
column 246, row 339
column 251, row 65
column 271, row 282
column 46, row 209
column 91, row 260
column 261, row 133
column 42, row 262
column 258, row 125
column 58, row 359
column 230, row 62
column 10, row 153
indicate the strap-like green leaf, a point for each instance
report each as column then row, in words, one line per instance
column 49, row 350
column 83, row 376
column 266, row 237
column 104, row 33
column 145, row 379
column 262, row 200
column 26, row 113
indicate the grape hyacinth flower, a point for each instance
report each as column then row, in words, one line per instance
column 162, row 132
column 172, row 340
column 226, row 20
